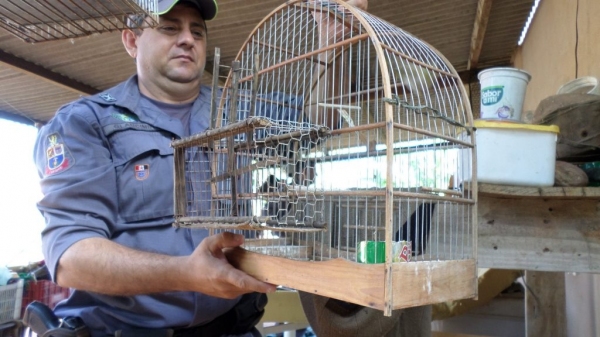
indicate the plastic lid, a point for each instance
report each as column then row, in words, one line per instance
column 508, row 125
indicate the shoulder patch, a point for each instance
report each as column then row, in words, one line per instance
column 58, row 157
column 107, row 97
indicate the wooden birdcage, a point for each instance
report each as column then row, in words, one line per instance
column 339, row 146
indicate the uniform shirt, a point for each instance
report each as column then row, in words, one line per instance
column 106, row 165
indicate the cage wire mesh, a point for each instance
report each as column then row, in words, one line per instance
column 360, row 142
column 47, row 20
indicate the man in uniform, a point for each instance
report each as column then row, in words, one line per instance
column 107, row 177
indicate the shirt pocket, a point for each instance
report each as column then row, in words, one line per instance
column 144, row 167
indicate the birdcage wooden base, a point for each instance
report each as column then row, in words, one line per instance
column 413, row 283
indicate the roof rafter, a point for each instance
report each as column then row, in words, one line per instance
column 48, row 75
column 481, row 20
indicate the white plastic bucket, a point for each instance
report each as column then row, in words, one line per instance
column 582, row 85
column 503, row 93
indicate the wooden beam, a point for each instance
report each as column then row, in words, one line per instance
column 545, row 304
column 363, row 284
column 481, row 20
column 470, row 76
column 340, row 279
column 540, row 229
column 16, row 118
column 45, row 74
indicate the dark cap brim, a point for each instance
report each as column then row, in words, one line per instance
column 208, row 8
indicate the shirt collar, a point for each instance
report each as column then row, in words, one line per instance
column 127, row 95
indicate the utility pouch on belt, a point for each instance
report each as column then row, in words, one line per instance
column 41, row 320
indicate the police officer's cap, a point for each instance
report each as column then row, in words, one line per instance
column 208, row 8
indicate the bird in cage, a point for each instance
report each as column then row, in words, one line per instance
column 279, row 207
column 417, row 227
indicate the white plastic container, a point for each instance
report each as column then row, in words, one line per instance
column 582, row 85
column 513, row 154
column 502, row 93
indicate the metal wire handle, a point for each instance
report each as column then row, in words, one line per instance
column 425, row 109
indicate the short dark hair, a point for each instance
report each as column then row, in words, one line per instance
column 135, row 21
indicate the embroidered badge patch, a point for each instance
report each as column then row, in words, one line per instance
column 58, row 158
column 125, row 117
column 142, row 172
column 107, row 97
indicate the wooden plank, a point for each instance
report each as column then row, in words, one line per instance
column 480, row 25
column 506, row 191
column 419, row 283
column 520, row 231
column 414, row 283
column 347, row 281
column 545, row 304
column 40, row 72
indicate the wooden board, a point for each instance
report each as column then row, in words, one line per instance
column 545, row 304
column 511, row 192
column 414, row 283
column 543, row 229
column 420, row 283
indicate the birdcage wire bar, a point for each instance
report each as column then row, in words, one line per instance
column 47, row 20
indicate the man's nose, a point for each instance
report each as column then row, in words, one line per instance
column 186, row 37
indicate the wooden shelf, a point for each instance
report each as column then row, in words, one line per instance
column 539, row 228
column 537, row 192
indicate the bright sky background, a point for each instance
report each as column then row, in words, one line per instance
column 20, row 221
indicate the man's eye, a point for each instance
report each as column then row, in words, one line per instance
column 198, row 34
column 168, row 29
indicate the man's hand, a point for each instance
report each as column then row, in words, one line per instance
column 212, row 273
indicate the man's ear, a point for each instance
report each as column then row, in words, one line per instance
column 129, row 38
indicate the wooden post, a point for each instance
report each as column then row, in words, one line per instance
column 545, row 304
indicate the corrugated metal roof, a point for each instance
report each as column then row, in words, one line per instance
column 36, row 79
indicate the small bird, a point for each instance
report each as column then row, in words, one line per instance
column 304, row 172
column 270, row 185
column 274, row 206
column 416, row 229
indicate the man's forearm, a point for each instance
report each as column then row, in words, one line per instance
column 102, row 266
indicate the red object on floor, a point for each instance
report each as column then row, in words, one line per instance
column 44, row 291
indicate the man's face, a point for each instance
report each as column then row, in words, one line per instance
column 175, row 50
